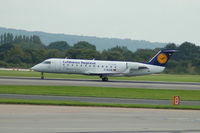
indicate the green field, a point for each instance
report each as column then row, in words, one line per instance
column 101, row 92
column 155, row 77
column 75, row 103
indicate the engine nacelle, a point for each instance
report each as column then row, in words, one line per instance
column 136, row 66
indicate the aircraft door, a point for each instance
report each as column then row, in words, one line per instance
column 56, row 65
column 126, row 65
column 127, row 68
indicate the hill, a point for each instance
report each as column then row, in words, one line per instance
column 100, row 43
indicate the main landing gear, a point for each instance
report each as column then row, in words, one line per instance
column 104, row 78
column 42, row 75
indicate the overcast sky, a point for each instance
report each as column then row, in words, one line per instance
column 153, row 20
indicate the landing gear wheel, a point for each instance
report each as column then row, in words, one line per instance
column 104, row 78
column 42, row 75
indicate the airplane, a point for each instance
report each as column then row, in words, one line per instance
column 103, row 68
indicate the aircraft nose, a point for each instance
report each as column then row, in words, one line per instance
column 35, row 68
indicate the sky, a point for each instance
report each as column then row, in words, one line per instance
column 152, row 20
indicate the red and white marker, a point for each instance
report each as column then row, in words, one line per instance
column 176, row 100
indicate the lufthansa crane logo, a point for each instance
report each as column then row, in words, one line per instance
column 162, row 58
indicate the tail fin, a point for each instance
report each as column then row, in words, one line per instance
column 161, row 58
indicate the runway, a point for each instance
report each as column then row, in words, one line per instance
column 113, row 83
column 97, row 99
column 65, row 119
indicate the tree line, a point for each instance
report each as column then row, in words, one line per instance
column 24, row 51
column 9, row 38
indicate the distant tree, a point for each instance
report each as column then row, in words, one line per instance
column 187, row 51
column 144, row 55
column 3, row 64
column 16, row 39
column 186, row 60
column 113, row 55
column 60, row 45
column 171, row 46
column 15, row 55
column 84, row 45
column 36, row 39
column 82, row 54
column 55, row 53
column 4, row 38
column 20, row 38
column 1, row 39
column 37, row 55
column 125, row 54
column 117, row 53
column 31, row 39
column 4, row 48
column 27, row 39
column 24, row 38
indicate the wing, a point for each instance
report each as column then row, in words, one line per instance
column 113, row 72
column 103, row 73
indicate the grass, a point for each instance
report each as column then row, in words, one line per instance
column 155, row 77
column 74, row 103
column 134, row 93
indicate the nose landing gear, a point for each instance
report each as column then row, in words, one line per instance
column 104, row 78
column 42, row 75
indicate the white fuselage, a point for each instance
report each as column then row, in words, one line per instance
column 96, row 67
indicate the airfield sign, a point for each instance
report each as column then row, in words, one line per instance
column 175, row 100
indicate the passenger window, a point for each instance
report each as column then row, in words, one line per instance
column 93, row 65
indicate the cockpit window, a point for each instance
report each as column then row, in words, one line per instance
column 46, row 62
